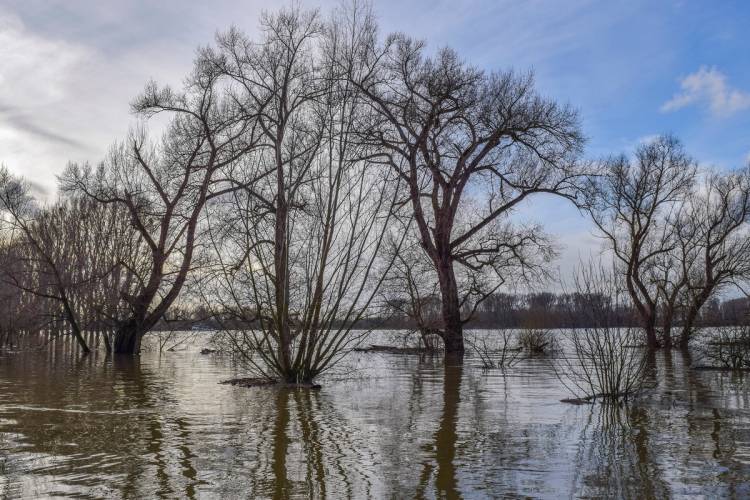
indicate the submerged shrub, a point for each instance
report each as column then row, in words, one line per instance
column 725, row 347
column 537, row 340
column 496, row 349
column 604, row 362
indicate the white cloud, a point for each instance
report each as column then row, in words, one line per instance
column 63, row 99
column 35, row 72
column 709, row 87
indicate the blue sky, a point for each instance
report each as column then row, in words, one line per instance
column 68, row 70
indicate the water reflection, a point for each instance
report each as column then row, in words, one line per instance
column 162, row 426
column 616, row 458
column 444, row 469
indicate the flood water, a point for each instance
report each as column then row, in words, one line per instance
column 389, row 426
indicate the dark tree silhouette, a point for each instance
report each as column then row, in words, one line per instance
column 164, row 186
column 631, row 204
column 453, row 132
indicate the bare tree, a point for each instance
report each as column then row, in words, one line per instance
column 79, row 255
column 47, row 272
column 20, row 311
column 631, row 204
column 670, row 271
column 299, row 253
column 719, row 214
column 451, row 131
column 165, row 184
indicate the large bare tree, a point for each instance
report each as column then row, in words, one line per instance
column 452, row 132
column 165, row 184
column 718, row 214
column 299, row 259
column 631, row 205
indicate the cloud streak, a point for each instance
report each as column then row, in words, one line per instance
column 17, row 120
column 709, row 88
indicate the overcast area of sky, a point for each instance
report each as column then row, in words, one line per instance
column 635, row 69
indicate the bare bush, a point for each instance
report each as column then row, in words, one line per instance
column 603, row 362
column 496, row 349
column 725, row 347
column 537, row 340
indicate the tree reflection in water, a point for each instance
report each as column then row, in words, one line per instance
column 446, row 436
column 615, row 458
column 311, row 453
column 281, row 485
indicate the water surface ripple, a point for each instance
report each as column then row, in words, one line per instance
column 161, row 426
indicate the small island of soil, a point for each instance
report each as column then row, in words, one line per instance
column 264, row 382
column 394, row 350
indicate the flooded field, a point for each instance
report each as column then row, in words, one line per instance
column 388, row 426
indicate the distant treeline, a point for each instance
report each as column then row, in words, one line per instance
column 566, row 310
column 500, row 310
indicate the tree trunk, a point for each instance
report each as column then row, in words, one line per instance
column 648, row 320
column 692, row 315
column 646, row 311
column 667, row 338
column 128, row 339
column 72, row 321
column 650, row 325
column 453, row 335
column 79, row 338
column 281, row 265
column 105, row 337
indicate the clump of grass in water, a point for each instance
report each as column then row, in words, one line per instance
column 537, row 340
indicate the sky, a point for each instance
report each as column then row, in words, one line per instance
column 634, row 69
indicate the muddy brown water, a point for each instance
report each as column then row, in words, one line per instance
column 389, row 426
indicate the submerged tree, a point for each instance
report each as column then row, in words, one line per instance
column 670, row 271
column 718, row 216
column 76, row 254
column 631, row 204
column 452, row 132
column 299, row 252
column 20, row 311
column 46, row 263
column 164, row 186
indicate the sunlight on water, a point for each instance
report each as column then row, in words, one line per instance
column 405, row 426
